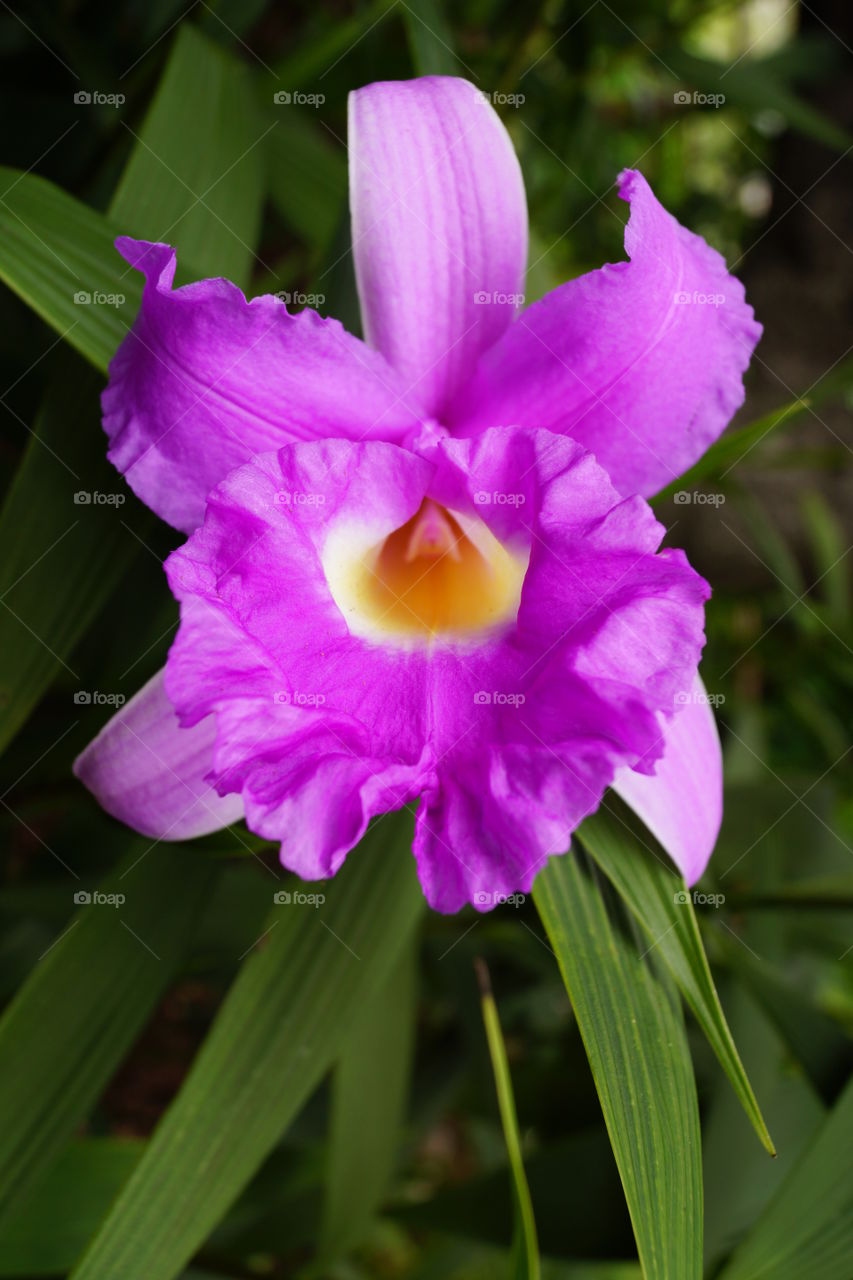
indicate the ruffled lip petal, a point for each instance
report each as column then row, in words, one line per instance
column 152, row 775
column 681, row 803
column 509, row 738
column 439, row 228
column 205, row 379
column 641, row 361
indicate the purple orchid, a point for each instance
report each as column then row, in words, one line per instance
column 423, row 566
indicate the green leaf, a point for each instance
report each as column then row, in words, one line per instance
column 305, row 68
column 526, row 1246
column 829, row 543
column 735, row 445
column 49, row 1231
column 195, row 177
column 430, row 39
column 67, row 559
column 62, row 560
column 807, row 1229
column 282, row 1024
column 370, row 1086
column 637, row 1049
column 54, row 249
column 739, row 1180
column 72, row 1022
column 307, row 176
column 657, row 896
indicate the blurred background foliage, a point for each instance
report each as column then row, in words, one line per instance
column 377, row 1147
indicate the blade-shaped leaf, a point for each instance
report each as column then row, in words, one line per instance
column 656, row 894
column 526, row 1265
column 368, row 1102
column 638, row 1053
column 195, row 177
column 69, row 558
column 72, row 1022
column 63, row 558
column 807, row 1229
column 57, row 254
column 281, row 1026
column 430, row 39
column 49, row 1231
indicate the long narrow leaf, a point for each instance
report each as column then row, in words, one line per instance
column 72, row 1022
column 807, row 1229
column 638, row 1053
column 656, row 894
column 283, row 1023
column 526, row 1246
column 369, row 1096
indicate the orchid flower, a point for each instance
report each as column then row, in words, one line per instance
column 423, row 566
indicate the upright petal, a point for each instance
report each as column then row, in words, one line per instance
column 641, row 361
column 439, row 228
column 205, row 379
column 153, row 775
column 682, row 801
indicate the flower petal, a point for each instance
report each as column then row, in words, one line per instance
column 439, row 225
column 681, row 803
column 641, row 362
column 152, row 775
column 511, row 734
column 205, row 379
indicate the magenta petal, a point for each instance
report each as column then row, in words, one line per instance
column 206, row 379
column 439, row 227
column 682, row 801
column 641, row 362
column 152, row 775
